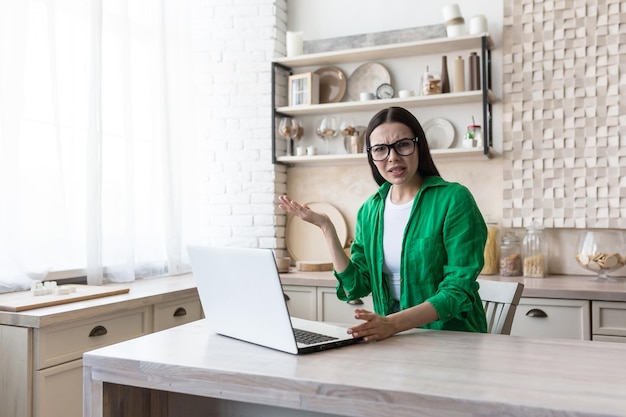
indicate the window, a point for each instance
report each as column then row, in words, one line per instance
column 95, row 121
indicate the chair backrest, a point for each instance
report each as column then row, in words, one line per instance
column 500, row 300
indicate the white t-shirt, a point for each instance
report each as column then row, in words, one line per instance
column 395, row 220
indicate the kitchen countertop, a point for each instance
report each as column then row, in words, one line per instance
column 576, row 287
column 162, row 289
column 419, row 372
column 142, row 292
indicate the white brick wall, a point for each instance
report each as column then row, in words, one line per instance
column 234, row 42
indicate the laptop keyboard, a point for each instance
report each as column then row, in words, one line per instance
column 310, row 338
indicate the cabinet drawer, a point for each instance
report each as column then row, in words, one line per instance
column 63, row 343
column 175, row 313
column 609, row 318
column 332, row 309
column 301, row 301
column 543, row 317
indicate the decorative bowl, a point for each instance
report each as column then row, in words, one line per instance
column 601, row 251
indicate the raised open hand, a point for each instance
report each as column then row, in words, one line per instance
column 304, row 212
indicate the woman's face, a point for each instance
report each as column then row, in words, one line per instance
column 396, row 169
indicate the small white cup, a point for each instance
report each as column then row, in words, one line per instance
column 366, row 96
column 452, row 11
column 406, row 93
column 311, row 150
column 478, row 24
column 300, row 151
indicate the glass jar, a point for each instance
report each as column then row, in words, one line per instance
column 535, row 252
column 491, row 250
column 473, row 136
column 510, row 255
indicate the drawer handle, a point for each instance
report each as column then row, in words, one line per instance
column 98, row 331
column 286, row 297
column 180, row 311
column 535, row 312
column 356, row 302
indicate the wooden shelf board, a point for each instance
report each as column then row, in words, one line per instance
column 361, row 158
column 404, row 49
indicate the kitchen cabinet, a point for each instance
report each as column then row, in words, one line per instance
column 176, row 312
column 301, row 301
column 557, row 306
column 322, row 304
column 282, row 68
column 558, row 318
column 332, row 309
column 41, row 350
column 57, row 352
column 609, row 321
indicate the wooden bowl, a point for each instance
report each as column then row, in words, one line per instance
column 283, row 264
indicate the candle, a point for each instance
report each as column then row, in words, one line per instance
column 294, row 43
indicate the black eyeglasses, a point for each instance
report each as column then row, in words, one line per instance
column 403, row 147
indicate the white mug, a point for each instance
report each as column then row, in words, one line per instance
column 311, row 150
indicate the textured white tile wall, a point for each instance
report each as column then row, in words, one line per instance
column 234, row 42
column 563, row 113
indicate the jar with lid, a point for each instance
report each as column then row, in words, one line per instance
column 473, row 136
column 491, row 250
column 535, row 252
column 510, row 255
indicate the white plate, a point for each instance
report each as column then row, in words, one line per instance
column 306, row 242
column 439, row 133
column 366, row 79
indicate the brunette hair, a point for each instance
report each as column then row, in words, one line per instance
column 426, row 165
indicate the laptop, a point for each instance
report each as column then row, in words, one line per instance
column 242, row 297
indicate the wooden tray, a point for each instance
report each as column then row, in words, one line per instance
column 24, row 300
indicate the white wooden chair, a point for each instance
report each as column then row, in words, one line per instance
column 500, row 301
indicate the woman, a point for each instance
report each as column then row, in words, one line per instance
column 419, row 240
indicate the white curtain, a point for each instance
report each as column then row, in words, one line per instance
column 95, row 121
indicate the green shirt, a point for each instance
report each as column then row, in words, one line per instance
column 442, row 255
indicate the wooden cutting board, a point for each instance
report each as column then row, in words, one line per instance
column 314, row 266
column 25, row 300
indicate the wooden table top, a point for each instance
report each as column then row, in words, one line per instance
column 420, row 372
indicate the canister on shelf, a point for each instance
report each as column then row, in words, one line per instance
column 458, row 75
column 430, row 84
column 535, row 252
column 491, row 250
column 445, row 81
column 510, row 255
column 474, row 71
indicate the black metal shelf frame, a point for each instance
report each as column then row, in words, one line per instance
column 487, row 107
